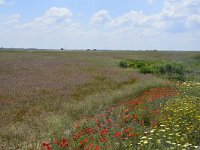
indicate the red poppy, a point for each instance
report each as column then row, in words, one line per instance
column 103, row 140
column 104, row 132
column 134, row 120
column 88, row 147
column 141, row 122
column 136, row 102
column 88, row 130
column 81, row 143
column 125, row 131
column 56, row 141
column 97, row 147
column 129, row 135
column 76, row 136
column 117, row 134
column 64, row 143
column 109, row 120
column 85, row 140
column 46, row 146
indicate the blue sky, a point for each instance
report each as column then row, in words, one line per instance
column 101, row 24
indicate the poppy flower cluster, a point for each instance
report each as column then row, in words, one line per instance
column 117, row 127
column 179, row 123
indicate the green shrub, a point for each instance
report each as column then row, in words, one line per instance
column 171, row 70
column 132, row 64
column 197, row 57
column 159, row 69
column 141, row 64
column 146, row 69
column 123, row 64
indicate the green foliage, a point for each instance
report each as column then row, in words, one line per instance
column 146, row 69
column 141, row 64
column 123, row 64
column 172, row 70
column 197, row 57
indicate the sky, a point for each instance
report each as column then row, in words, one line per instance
column 101, row 24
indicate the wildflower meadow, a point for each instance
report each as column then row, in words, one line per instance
column 161, row 118
column 99, row 100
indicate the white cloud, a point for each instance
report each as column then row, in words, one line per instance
column 9, row 22
column 100, row 17
column 133, row 17
column 52, row 18
column 150, row 1
column 2, row 2
column 180, row 8
column 179, row 15
column 56, row 27
column 178, row 22
column 175, row 16
column 193, row 21
column 137, row 19
column 56, row 12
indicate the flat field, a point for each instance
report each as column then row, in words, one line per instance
column 42, row 91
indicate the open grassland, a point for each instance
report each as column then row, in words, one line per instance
column 49, row 91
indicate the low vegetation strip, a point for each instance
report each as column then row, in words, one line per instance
column 118, row 127
column 172, row 70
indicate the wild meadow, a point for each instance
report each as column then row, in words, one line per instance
column 97, row 100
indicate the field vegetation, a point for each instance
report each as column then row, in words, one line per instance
column 50, row 97
column 174, row 70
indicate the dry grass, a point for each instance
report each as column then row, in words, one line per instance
column 42, row 91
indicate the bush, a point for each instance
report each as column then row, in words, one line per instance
column 146, row 69
column 197, row 57
column 159, row 69
column 171, row 70
column 141, row 64
column 123, row 64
